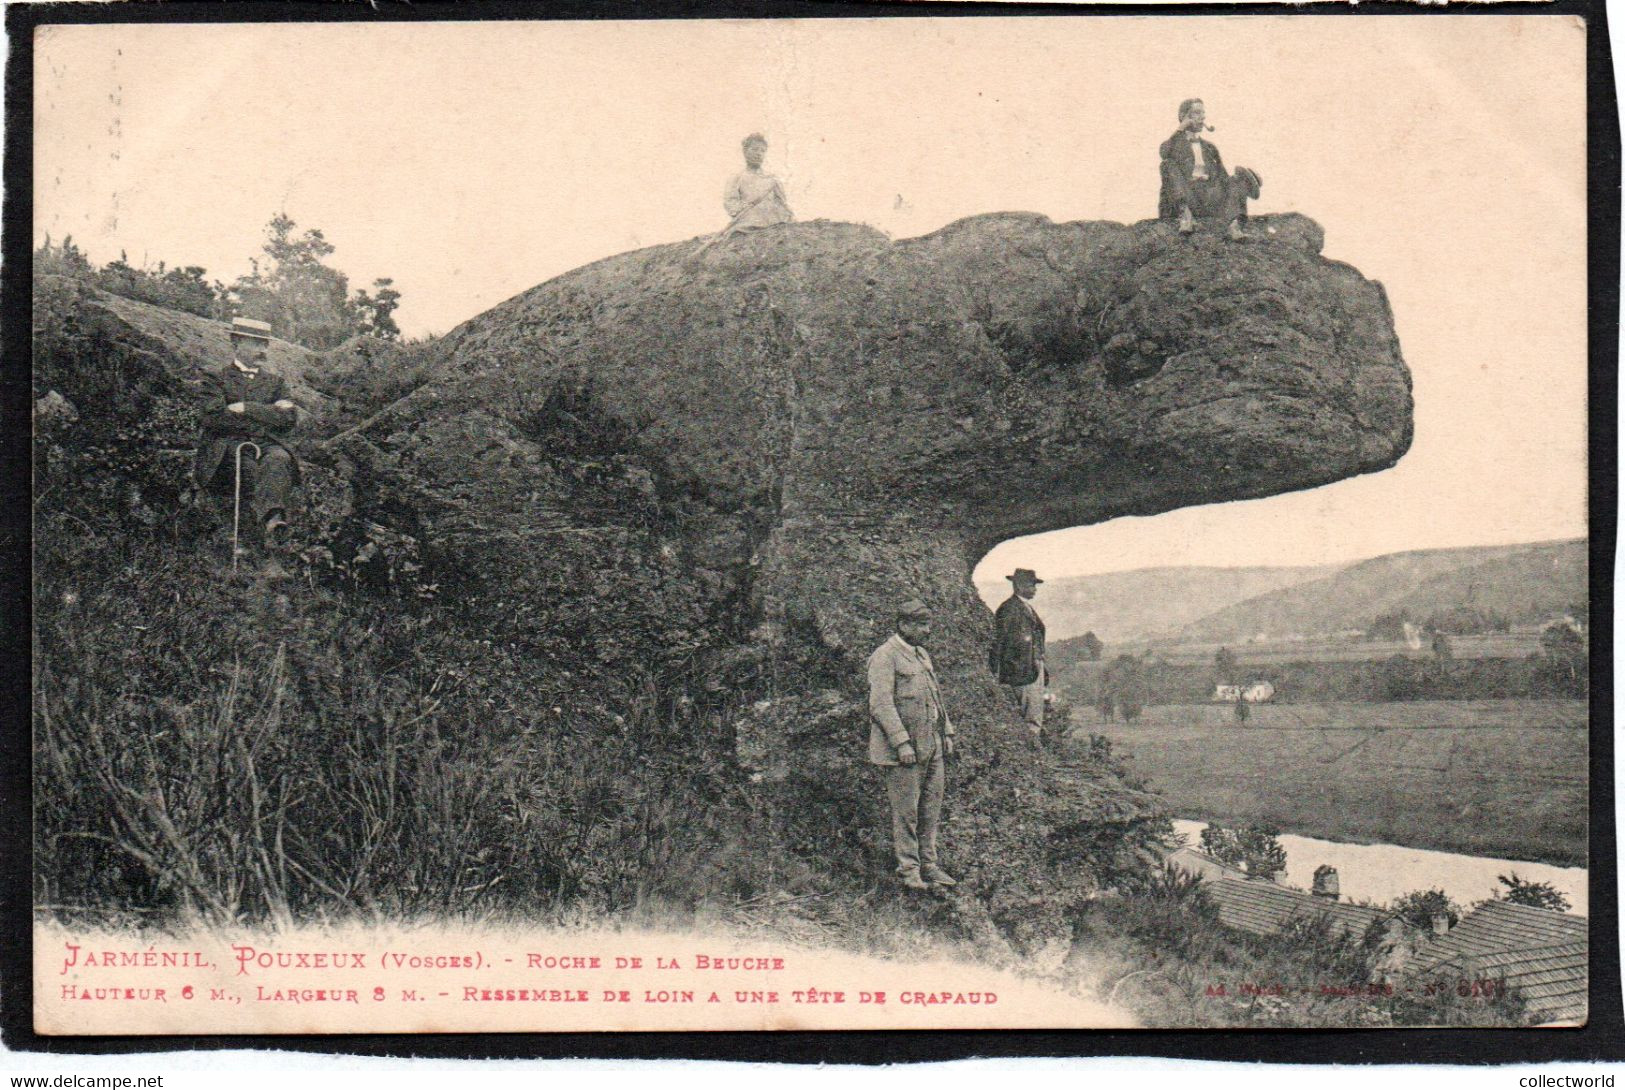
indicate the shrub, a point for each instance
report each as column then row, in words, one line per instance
column 1172, row 911
column 1252, row 848
column 1419, row 907
column 1520, row 891
column 339, row 755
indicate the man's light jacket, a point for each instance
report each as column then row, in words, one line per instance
column 905, row 703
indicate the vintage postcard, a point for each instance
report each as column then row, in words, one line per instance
column 1014, row 521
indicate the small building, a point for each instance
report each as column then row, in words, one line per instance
column 1540, row 954
column 1263, row 907
column 1254, row 692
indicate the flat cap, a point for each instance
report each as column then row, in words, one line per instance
column 913, row 608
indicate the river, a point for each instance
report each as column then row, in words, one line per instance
column 1381, row 872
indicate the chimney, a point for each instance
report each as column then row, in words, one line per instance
column 1325, row 883
column 1441, row 923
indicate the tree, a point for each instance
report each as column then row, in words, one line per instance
column 1401, row 680
column 1466, row 620
column 1564, row 647
column 1442, row 651
column 374, row 313
column 1389, row 626
column 1092, row 647
column 1419, row 906
column 1253, row 848
column 1124, row 681
column 305, row 300
column 1531, row 894
column 1225, row 666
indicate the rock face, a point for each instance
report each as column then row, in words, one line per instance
column 183, row 344
column 697, row 482
column 831, row 421
column 122, row 377
column 895, row 409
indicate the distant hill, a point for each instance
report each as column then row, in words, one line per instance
column 1524, row 583
column 1148, row 603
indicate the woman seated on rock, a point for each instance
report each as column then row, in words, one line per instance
column 755, row 198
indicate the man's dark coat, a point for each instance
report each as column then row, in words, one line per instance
column 1018, row 643
column 1210, row 199
column 260, row 420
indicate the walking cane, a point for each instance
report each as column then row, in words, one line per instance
column 728, row 231
column 237, row 496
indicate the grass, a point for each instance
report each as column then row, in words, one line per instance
column 1487, row 777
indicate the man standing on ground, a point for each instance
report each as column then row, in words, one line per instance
column 1195, row 184
column 1017, row 654
column 910, row 736
column 246, row 401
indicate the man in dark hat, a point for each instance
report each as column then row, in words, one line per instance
column 1017, row 655
column 1195, row 184
column 910, row 736
column 246, row 401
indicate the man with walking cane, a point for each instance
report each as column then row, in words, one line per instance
column 910, row 738
column 247, row 414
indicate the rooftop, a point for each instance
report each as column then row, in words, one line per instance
column 1261, row 906
column 1539, row 953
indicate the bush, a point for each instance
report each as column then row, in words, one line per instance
column 1419, row 907
column 1174, row 964
column 1252, row 848
column 1466, row 621
column 1520, row 891
column 1172, row 910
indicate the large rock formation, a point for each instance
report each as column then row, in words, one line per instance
column 696, row 482
column 820, row 421
column 899, row 408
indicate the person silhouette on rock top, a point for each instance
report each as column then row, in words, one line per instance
column 1195, row 184
column 755, row 198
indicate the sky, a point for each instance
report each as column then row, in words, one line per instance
column 1444, row 156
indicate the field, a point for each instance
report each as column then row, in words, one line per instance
column 1485, row 777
